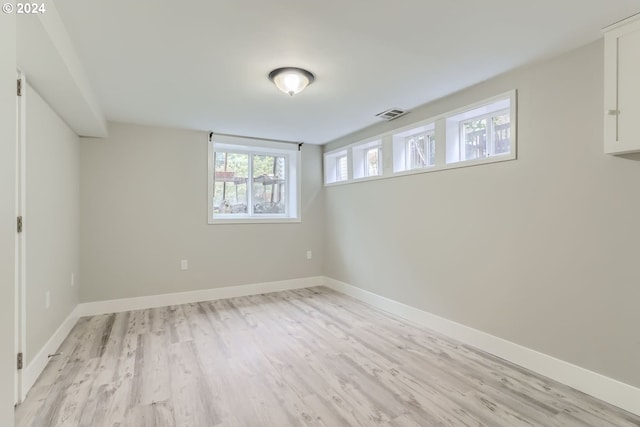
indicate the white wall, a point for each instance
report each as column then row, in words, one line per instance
column 7, row 214
column 51, row 221
column 541, row 251
column 144, row 208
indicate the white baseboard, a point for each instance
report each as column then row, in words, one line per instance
column 604, row 388
column 163, row 300
column 33, row 370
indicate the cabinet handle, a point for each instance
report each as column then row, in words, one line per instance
column 613, row 112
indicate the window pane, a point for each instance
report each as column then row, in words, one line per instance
column 342, row 169
column 416, row 151
column 502, row 134
column 475, row 139
column 269, row 185
column 420, row 150
column 230, row 183
column 373, row 155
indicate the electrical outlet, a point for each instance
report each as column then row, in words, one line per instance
column 184, row 264
column 309, row 255
column 47, row 299
column 73, row 279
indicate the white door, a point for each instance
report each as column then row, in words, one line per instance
column 20, row 240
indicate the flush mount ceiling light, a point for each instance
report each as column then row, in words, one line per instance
column 291, row 80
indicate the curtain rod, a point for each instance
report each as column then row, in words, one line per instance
column 257, row 139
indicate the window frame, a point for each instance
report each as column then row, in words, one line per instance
column 491, row 133
column 401, row 156
column 331, row 167
column 255, row 147
column 410, row 161
column 454, row 141
column 360, row 155
column 490, row 129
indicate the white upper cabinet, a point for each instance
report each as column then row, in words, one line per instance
column 622, row 86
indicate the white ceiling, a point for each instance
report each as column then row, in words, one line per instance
column 203, row 64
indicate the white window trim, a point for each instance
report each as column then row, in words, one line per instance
column 232, row 144
column 440, row 125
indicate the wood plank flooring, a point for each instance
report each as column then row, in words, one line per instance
column 310, row 357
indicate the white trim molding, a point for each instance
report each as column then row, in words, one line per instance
column 164, row 300
column 597, row 385
column 40, row 360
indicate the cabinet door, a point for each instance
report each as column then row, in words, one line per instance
column 622, row 89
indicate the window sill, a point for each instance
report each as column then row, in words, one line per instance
column 269, row 220
column 468, row 163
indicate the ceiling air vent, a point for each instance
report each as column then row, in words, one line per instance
column 392, row 113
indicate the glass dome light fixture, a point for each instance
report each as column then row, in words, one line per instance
column 291, row 80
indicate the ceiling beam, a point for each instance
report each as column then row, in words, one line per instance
column 52, row 67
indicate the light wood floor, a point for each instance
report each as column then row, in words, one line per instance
column 310, row 357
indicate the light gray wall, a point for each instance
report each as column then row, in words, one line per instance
column 542, row 251
column 51, row 221
column 7, row 214
column 144, row 208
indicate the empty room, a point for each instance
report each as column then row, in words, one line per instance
column 329, row 214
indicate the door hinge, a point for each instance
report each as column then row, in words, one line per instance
column 19, row 361
column 19, row 225
column 19, row 88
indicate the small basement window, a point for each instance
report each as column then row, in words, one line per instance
column 367, row 159
column 480, row 133
column 414, row 148
column 336, row 167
